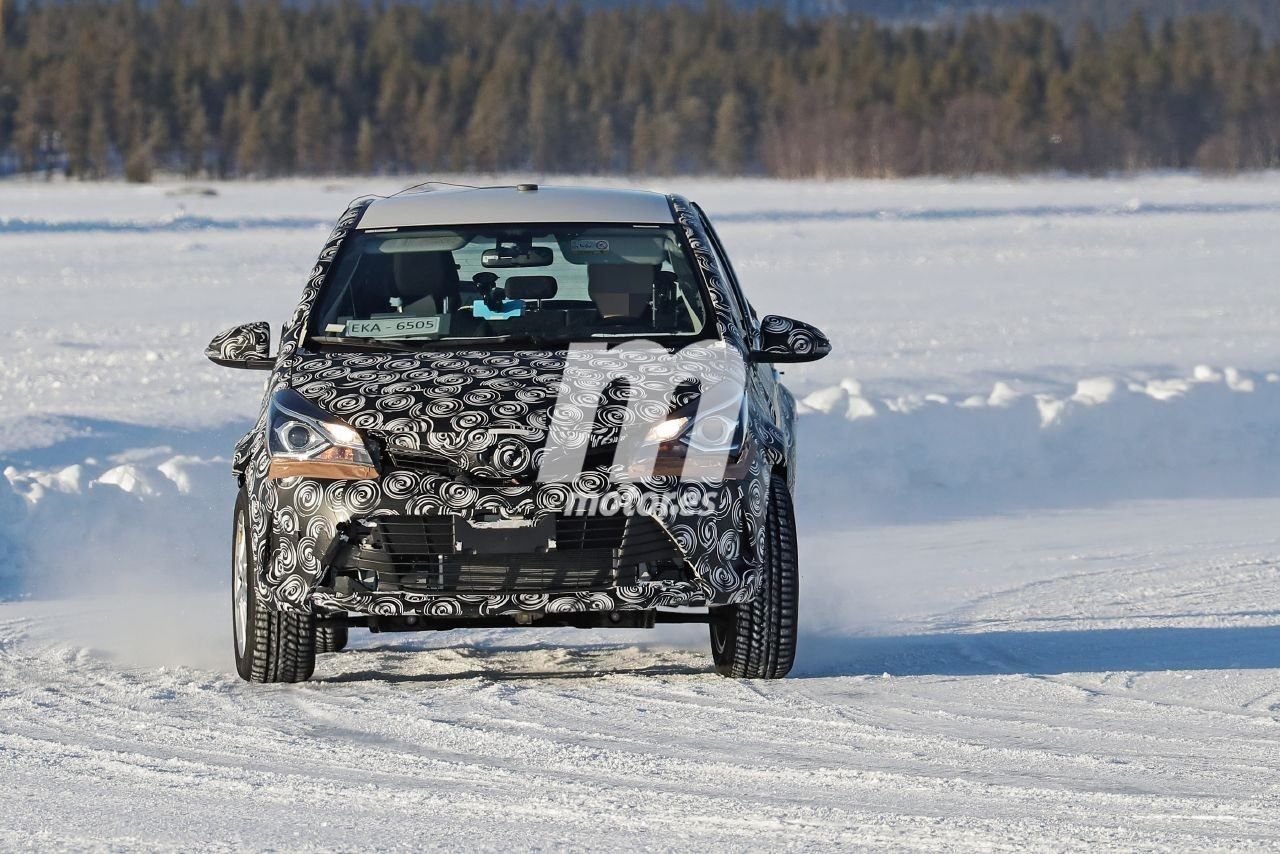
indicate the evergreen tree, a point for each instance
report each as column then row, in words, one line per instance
column 431, row 129
column 269, row 87
column 314, row 135
column 366, row 147
column 547, row 111
column 250, row 148
column 642, row 154
column 606, row 156
column 195, row 134
column 729, row 146
column 28, row 125
column 99, row 144
column 229, row 133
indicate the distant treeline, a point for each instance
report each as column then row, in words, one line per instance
column 1070, row 14
column 280, row 87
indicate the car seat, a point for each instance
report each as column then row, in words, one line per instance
column 427, row 282
column 621, row 292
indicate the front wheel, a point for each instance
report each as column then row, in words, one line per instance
column 270, row 646
column 757, row 639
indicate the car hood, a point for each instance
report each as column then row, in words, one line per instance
column 472, row 407
column 483, row 415
column 436, row 391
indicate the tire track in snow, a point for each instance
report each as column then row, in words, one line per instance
column 576, row 753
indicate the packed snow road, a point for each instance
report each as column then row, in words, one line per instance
column 1118, row 695
column 1038, row 514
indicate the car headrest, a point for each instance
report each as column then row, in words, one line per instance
column 425, row 274
column 620, row 290
column 530, row 287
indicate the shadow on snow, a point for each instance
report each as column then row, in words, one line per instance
column 1043, row 653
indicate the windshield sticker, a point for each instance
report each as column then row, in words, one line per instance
column 587, row 246
column 394, row 327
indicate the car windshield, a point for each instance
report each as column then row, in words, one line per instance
column 552, row 283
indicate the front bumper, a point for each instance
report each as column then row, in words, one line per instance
column 319, row 554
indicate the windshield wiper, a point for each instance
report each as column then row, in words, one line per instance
column 536, row 340
column 361, row 343
column 415, row 345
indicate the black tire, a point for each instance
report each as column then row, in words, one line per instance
column 331, row 638
column 757, row 639
column 277, row 646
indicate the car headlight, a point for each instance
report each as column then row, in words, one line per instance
column 306, row 441
column 718, row 430
column 665, row 431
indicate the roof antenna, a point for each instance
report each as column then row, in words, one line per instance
column 426, row 183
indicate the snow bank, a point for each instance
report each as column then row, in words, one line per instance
column 104, row 527
column 1215, row 432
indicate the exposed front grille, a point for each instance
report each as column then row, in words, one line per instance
column 504, row 574
column 422, row 463
column 458, row 469
column 591, row 532
column 422, row 554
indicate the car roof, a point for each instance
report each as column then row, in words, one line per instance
column 517, row 204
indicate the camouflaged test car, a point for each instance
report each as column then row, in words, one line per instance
column 493, row 407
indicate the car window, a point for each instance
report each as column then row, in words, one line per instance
column 742, row 308
column 553, row 283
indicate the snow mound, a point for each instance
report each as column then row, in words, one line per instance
column 110, row 527
column 1113, row 437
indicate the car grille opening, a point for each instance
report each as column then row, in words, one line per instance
column 421, row 554
column 422, row 463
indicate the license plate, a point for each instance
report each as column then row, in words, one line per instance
column 393, row 327
column 508, row 536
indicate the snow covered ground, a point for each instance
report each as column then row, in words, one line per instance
column 1037, row 503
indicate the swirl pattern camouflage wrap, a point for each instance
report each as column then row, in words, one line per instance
column 250, row 342
column 790, row 340
column 475, row 423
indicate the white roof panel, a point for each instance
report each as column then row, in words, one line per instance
column 488, row 205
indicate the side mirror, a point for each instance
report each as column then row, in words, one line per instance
column 247, row 346
column 785, row 340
